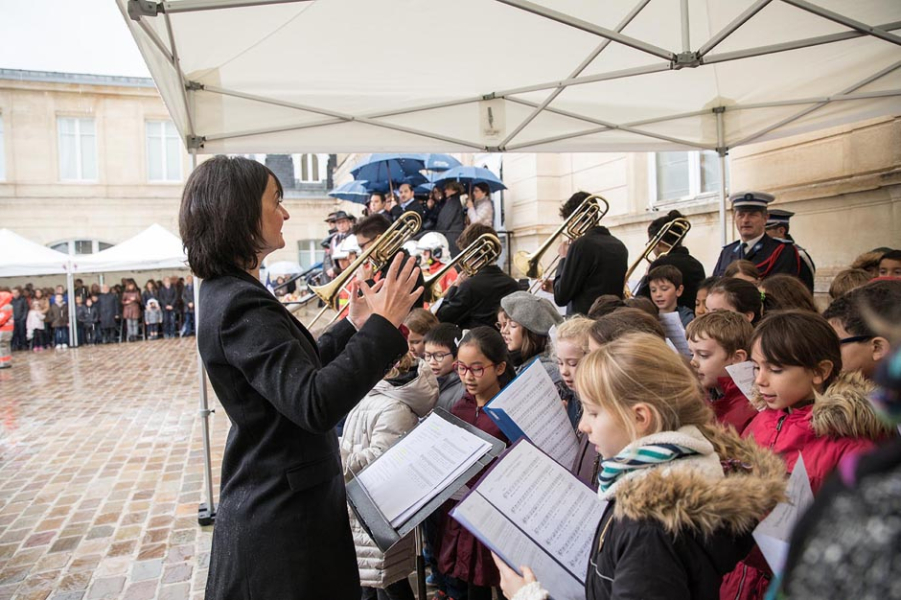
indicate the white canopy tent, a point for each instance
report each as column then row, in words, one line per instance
column 153, row 248
column 21, row 257
column 284, row 76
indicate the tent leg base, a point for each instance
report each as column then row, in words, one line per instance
column 205, row 514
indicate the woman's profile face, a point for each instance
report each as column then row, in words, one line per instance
column 272, row 218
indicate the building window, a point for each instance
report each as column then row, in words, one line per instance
column 163, row 151
column 2, row 153
column 309, row 253
column 77, row 149
column 310, row 168
column 684, row 176
column 76, row 247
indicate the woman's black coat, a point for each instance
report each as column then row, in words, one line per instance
column 282, row 529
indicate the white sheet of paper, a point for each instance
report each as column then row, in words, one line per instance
column 773, row 533
column 516, row 549
column 672, row 346
column 532, row 402
column 418, row 467
column 675, row 332
column 548, row 296
column 743, row 375
column 435, row 306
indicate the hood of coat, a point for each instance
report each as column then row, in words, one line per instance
column 420, row 393
column 688, row 500
column 844, row 410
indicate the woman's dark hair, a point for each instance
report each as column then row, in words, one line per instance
column 785, row 292
column 623, row 321
column 743, row 267
column 491, row 343
column 220, row 215
column 472, row 233
column 570, row 206
column 437, row 193
column 445, row 334
column 604, row 305
column 455, row 188
column 533, row 344
column 741, row 294
column 798, row 338
column 372, row 226
column 151, row 283
column 657, row 224
column 708, row 283
column 643, row 304
column 482, row 186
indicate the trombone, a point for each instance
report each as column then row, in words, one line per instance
column 482, row 252
column 676, row 230
column 585, row 217
column 379, row 253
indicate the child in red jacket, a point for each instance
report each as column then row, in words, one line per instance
column 810, row 410
column 717, row 340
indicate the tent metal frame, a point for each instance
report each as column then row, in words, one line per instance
column 685, row 58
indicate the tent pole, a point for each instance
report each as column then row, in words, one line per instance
column 70, row 298
column 206, row 512
column 721, row 150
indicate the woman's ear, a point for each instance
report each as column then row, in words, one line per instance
column 644, row 417
column 822, row 371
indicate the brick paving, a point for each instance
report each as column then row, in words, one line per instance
column 101, row 473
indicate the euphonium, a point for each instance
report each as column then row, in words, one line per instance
column 585, row 217
column 675, row 231
column 482, row 252
column 379, row 253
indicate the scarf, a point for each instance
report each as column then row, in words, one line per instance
column 633, row 458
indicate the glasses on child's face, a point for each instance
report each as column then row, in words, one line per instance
column 476, row 370
column 437, row 356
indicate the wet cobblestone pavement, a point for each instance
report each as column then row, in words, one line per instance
column 101, row 473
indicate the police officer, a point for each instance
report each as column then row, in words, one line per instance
column 777, row 227
column 769, row 254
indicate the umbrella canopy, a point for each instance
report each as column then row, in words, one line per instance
column 379, row 168
column 23, row 258
column 352, row 191
column 283, row 267
column 440, row 162
column 471, row 176
column 557, row 76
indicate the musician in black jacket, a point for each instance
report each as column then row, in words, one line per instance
column 593, row 265
column 474, row 301
column 367, row 231
column 691, row 268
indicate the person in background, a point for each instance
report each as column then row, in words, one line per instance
column 440, row 353
column 665, row 285
column 869, row 261
column 432, row 207
column 408, row 202
column 847, row 280
column 59, row 320
column 434, row 253
column 736, row 295
column 82, row 321
column 783, row 292
column 7, row 323
column 35, row 324
column 450, row 222
column 419, row 322
column 777, row 225
column 92, row 325
column 168, row 300
column 678, row 256
column 621, row 322
column 890, row 264
column 718, row 340
column 367, row 232
column 153, row 317
column 109, row 315
column 20, row 316
column 187, row 300
column 479, row 207
column 743, row 269
column 131, row 307
column 151, row 290
column 604, row 305
column 642, row 303
column 701, row 299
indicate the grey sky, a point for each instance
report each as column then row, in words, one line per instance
column 71, row 36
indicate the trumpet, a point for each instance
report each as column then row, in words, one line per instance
column 585, row 217
column 482, row 252
column 675, row 231
column 379, row 253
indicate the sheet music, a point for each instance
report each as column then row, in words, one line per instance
column 773, row 533
column 743, row 375
column 532, row 403
column 531, row 511
column 419, row 466
column 675, row 332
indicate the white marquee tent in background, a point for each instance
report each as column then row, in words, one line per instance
column 23, row 258
column 154, row 248
column 284, row 76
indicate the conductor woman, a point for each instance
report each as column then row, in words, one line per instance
column 282, row 529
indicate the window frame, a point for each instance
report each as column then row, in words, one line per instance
column 163, row 142
column 79, row 162
column 313, row 248
column 695, row 196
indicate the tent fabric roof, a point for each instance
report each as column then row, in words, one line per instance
column 516, row 75
column 21, row 257
column 153, row 248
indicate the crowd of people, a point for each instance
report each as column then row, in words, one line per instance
column 38, row 318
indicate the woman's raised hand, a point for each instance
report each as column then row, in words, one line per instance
column 393, row 296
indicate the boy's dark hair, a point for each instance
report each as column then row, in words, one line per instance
column 657, row 224
column 847, row 280
column 623, row 321
column 643, row 304
column 471, row 233
column 604, row 305
column 219, row 218
column 797, row 338
column 741, row 294
column 667, row 273
column 881, row 298
column 891, row 255
column 445, row 334
column 482, row 186
column 381, row 195
column 708, row 283
column 570, row 206
column 785, row 292
column 489, row 342
column 372, row 226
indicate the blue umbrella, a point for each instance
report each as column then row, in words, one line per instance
column 352, row 191
column 386, row 186
column 440, row 162
column 471, row 176
column 389, row 169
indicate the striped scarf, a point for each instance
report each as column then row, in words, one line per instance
column 641, row 457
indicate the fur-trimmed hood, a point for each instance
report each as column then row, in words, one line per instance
column 844, row 410
column 686, row 500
